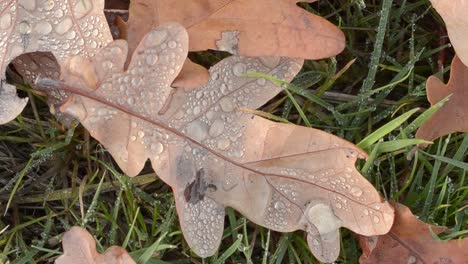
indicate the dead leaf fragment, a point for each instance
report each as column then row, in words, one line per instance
column 242, row 27
column 63, row 27
column 214, row 155
column 80, row 248
column 453, row 115
column 410, row 241
column 453, row 13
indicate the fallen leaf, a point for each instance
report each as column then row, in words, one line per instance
column 411, row 241
column 80, row 248
column 453, row 115
column 454, row 15
column 214, row 155
column 241, row 27
column 63, row 27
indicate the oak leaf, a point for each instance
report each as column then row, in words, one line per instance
column 241, row 27
column 212, row 153
column 454, row 15
column 63, row 27
column 453, row 115
column 80, row 248
column 411, row 241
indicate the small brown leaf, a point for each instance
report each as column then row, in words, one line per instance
column 80, row 248
column 454, row 15
column 63, row 27
column 214, row 155
column 453, row 115
column 410, row 241
column 242, row 27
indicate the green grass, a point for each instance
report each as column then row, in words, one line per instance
column 43, row 165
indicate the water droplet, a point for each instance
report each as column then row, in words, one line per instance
column 270, row 62
column 24, row 27
column 356, row 191
column 315, row 242
column 133, row 138
column 376, row 219
column 223, row 144
column 49, row 5
column 155, row 37
column 226, row 104
column 43, row 28
column 366, row 212
column 215, row 76
column 261, row 81
column 172, row 44
column 217, row 128
column 64, row 26
column 412, row 260
column 136, row 81
column 157, row 148
column 82, row 8
column 151, row 59
column 5, row 21
column 239, row 69
column 28, row 4
column 338, row 205
column 197, row 130
column 279, row 205
column 58, row 13
column 141, row 134
column 130, row 101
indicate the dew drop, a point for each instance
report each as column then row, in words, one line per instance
column 151, row 59
column 338, row 205
column 82, row 8
column 356, row 191
column 376, row 219
column 133, row 138
column 366, row 212
column 157, row 148
column 49, row 5
column 172, row 44
column 226, row 104
column 43, row 28
column 24, row 27
column 216, row 128
column 223, row 144
column 197, row 131
column 64, row 26
column 155, row 37
column 141, row 134
column 5, row 21
column 261, row 81
column 28, row 4
column 239, row 69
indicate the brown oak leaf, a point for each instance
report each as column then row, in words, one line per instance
column 213, row 154
column 63, row 27
column 241, row 27
column 453, row 115
column 411, row 241
column 80, row 248
column 454, row 15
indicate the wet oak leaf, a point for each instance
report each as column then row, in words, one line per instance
column 213, row 154
column 62, row 27
column 241, row 27
column 453, row 115
column 411, row 241
column 80, row 248
column 454, row 15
